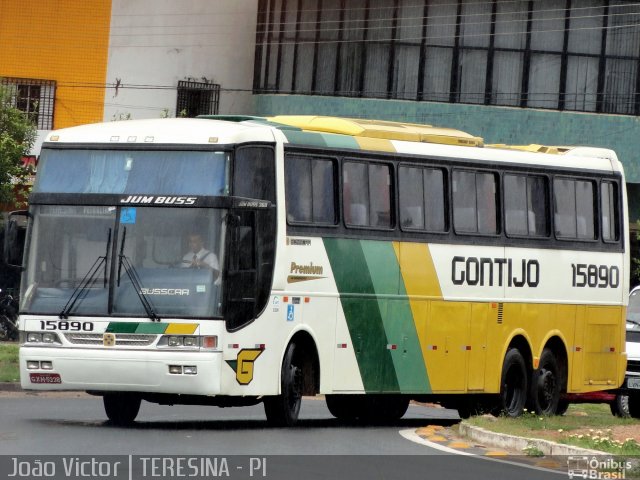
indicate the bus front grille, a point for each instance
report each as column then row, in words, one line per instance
column 122, row 339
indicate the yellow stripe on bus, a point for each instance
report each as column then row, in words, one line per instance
column 418, row 270
column 422, row 285
column 375, row 144
column 181, row 329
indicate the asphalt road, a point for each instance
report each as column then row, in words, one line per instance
column 319, row 447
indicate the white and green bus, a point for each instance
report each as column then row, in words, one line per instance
column 371, row 262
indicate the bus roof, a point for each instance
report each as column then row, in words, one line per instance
column 176, row 131
column 333, row 132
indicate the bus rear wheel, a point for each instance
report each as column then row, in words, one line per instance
column 513, row 384
column 620, row 406
column 282, row 410
column 546, row 385
column 121, row 408
column 633, row 403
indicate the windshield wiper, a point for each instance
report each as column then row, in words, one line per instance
column 131, row 272
column 88, row 280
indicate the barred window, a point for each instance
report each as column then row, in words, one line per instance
column 33, row 97
column 581, row 55
column 197, row 98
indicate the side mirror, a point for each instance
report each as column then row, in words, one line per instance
column 14, row 237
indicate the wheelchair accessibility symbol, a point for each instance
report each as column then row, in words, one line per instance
column 290, row 314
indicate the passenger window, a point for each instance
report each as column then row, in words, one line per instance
column 526, row 205
column 422, row 199
column 574, row 209
column 366, row 193
column 610, row 212
column 474, row 202
column 310, row 190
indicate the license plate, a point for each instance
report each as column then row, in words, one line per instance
column 49, row 378
column 633, row 383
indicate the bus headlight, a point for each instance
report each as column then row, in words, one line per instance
column 33, row 337
column 191, row 342
column 49, row 338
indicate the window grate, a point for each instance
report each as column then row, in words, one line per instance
column 197, row 98
column 34, row 97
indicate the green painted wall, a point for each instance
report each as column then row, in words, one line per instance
column 495, row 124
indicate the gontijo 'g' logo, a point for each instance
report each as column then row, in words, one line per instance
column 243, row 364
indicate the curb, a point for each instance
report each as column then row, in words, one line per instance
column 10, row 387
column 512, row 442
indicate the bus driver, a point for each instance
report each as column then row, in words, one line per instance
column 199, row 257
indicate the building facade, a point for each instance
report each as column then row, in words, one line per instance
column 559, row 72
column 71, row 62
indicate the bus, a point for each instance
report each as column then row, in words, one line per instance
column 371, row 262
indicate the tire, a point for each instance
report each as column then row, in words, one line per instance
column 620, row 406
column 282, row 410
column 563, row 406
column 513, row 384
column 546, row 385
column 343, row 407
column 121, row 408
column 634, row 406
column 468, row 406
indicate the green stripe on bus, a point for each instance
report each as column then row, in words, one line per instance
column 156, row 328
column 362, row 312
column 397, row 317
column 122, row 327
column 305, row 138
column 340, row 141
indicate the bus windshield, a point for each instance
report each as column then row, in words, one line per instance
column 133, row 171
column 124, row 261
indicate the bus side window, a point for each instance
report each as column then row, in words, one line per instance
column 366, row 194
column 310, row 189
column 526, row 205
column 574, row 209
column 610, row 212
column 254, row 173
column 475, row 202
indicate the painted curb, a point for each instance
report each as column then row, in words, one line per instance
column 512, row 442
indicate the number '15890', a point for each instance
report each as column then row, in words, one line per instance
column 595, row 276
column 73, row 326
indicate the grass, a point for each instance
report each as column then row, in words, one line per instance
column 9, row 363
column 594, row 422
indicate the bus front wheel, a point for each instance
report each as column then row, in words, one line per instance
column 282, row 410
column 121, row 408
column 546, row 385
column 513, row 385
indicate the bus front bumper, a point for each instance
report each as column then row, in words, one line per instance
column 190, row 373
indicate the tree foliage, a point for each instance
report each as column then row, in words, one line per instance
column 17, row 136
